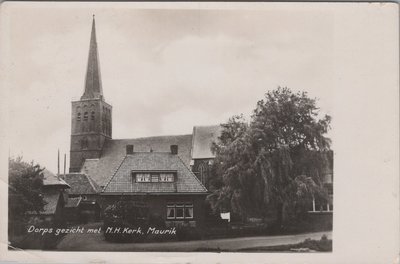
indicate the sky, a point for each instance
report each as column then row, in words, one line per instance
column 163, row 70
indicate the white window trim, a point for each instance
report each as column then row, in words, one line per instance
column 175, row 206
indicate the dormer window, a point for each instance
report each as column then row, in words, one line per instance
column 155, row 178
column 166, row 177
column 143, row 177
column 150, row 176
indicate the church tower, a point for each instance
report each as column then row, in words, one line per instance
column 91, row 115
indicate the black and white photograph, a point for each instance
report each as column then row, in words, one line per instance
column 175, row 128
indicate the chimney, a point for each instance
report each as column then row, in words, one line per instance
column 129, row 149
column 174, row 149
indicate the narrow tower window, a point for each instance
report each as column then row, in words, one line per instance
column 78, row 117
column 85, row 116
column 92, row 115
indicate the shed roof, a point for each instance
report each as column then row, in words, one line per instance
column 50, row 179
column 185, row 182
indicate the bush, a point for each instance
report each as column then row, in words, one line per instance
column 323, row 245
column 125, row 214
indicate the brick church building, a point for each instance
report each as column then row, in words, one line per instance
column 168, row 173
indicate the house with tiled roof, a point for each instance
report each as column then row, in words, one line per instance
column 162, row 181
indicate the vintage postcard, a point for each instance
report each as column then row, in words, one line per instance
column 198, row 128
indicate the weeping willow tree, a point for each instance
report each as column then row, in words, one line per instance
column 274, row 160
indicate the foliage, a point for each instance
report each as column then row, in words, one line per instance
column 274, row 160
column 125, row 214
column 24, row 190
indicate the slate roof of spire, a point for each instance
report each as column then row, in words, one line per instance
column 93, row 88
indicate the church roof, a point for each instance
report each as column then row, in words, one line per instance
column 114, row 151
column 93, row 87
column 203, row 136
column 81, row 184
column 185, row 181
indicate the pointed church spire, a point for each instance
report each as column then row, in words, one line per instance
column 93, row 87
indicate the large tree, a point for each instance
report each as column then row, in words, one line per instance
column 24, row 191
column 274, row 160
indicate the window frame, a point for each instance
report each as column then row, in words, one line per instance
column 174, row 206
column 153, row 173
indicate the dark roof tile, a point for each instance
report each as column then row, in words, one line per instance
column 81, row 184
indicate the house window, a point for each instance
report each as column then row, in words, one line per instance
column 166, row 177
column 202, row 170
column 153, row 176
column 180, row 211
column 143, row 177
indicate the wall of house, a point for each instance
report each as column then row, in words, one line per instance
column 158, row 204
